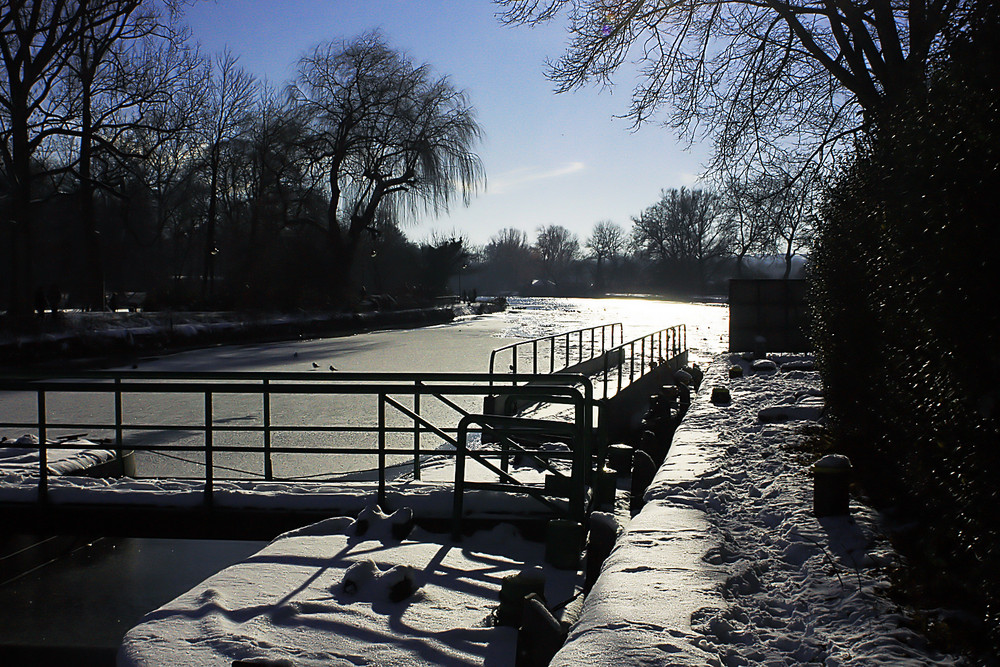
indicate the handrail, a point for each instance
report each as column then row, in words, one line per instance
column 577, row 502
column 382, row 386
column 654, row 349
column 553, row 350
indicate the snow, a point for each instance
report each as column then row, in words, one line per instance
column 733, row 568
column 725, row 565
column 326, row 596
column 21, row 457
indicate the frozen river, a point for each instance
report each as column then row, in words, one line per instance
column 461, row 346
column 464, row 345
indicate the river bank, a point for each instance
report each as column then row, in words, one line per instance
column 115, row 338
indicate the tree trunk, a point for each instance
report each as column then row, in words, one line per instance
column 21, row 265
column 208, row 278
column 93, row 288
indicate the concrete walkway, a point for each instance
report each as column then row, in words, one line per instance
column 639, row 611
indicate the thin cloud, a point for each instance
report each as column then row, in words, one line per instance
column 516, row 178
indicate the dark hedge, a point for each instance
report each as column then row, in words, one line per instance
column 904, row 285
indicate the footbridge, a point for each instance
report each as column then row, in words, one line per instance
column 249, row 454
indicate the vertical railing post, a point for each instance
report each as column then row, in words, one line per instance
column 504, row 454
column 566, row 351
column 581, row 463
column 43, row 455
column 209, row 472
column 621, row 362
column 459, row 500
column 592, row 334
column 534, row 356
column 268, row 465
column 416, row 430
column 579, row 347
column 119, row 429
column 631, row 361
column 552, row 355
column 381, row 451
column 642, row 356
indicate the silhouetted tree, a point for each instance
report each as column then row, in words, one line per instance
column 746, row 219
column 386, row 135
column 509, row 259
column 442, row 258
column 123, row 62
column 557, row 249
column 760, row 76
column 606, row 242
column 683, row 234
column 229, row 108
column 34, row 39
column 794, row 213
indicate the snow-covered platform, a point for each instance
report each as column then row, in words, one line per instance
column 334, row 594
column 71, row 456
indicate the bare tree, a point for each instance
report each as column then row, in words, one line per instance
column 557, row 249
column 124, row 63
column 162, row 150
column 229, row 110
column 683, row 234
column 745, row 205
column 606, row 242
column 509, row 257
column 794, row 212
column 386, row 135
column 763, row 76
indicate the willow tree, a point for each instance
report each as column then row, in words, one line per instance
column 762, row 77
column 386, row 136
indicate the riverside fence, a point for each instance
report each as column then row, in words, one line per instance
column 263, row 426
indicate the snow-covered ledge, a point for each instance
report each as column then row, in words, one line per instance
column 659, row 574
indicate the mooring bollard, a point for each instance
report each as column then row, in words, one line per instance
column 620, row 458
column 604, row 487
column 564, row 541
column 759, row 347
column 831, row 478
column 513, row 589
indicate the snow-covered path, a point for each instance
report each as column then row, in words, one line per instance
column 727, row 564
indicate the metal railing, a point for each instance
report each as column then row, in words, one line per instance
column 561, row 350
column 386, row 412
column 622, row 364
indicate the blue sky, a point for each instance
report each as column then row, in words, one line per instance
column 550, row 159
